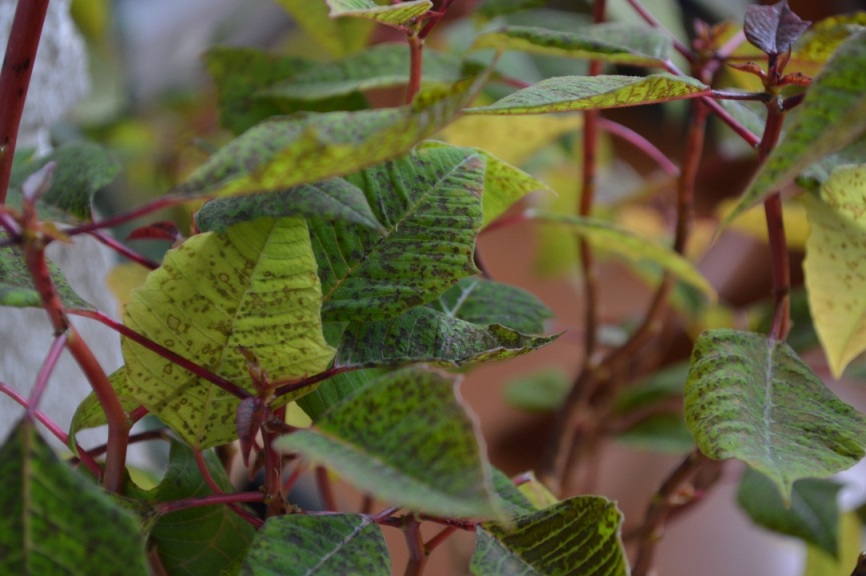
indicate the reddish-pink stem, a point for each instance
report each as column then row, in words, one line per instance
column 281, row 389
column 441, row 537
column 215, row 488
column 651, row 20
column 188, row 365
column 167, row 507
column 153, row 206
column 326, row 490
column 124, row 250
column 641, row 143
column 416, row 64
column 415, row 544
column 273, row 475
column 45, row 371
column 15, row 79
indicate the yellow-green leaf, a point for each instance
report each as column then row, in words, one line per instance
column 396, row 15
column 254, row 286
column 339, row 36
column 835, row 272
column 568, row 93
column 605, row 236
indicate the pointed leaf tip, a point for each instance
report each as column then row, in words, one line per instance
column 773, row 29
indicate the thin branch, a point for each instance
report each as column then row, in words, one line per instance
column 414, row 542
column 652, row 21
column 441, row 537
column 416, row 63
column 153, row 206
column 45, row 371
column 215, row 499
column 283, row 388
column 15, row 79
column 326, row 490
column 641, row 143
column 124, row 250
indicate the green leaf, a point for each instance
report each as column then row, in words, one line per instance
column 483, row 302
column 286, row 151
column 567, row 93
column 426, row 335
column 605, row 236
column 396, row 15
column 489, row 9
column 336, row 389
column 242, row 76
column 512, row 500
column 834, row 269
column 331, row 200
column 16, row 285
column 299, row 545
column 407, row 440
column 819, row 42
column 751, row 398
column 819, row 563
column 832, row 115
column 430, row 206
column 380, row 66
column 504, row 184
column 338, row 35
column 197, row 540
column 82, row 169
column 55, row 521
column 812, row 514
column 542, row 391
column 578, row 536
column 90, row 414
column 615, row 42
column 254, row 286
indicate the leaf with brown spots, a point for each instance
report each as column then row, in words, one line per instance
column 429, row 204
column 254, row 286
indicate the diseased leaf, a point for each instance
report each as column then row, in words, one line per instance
column 90, row 414
column 569, row 93
column 835, row 272
column 380, row 66
column 512, row 500
column 286, row 151
column 504, row 184
column 832, row 115
column 819, row 42
column 605, row 236
column 541, row 391
column 330, row 200
column 55, row 521
column 423, row 334
column 255, row 286
column 577, row 536
column 489, row 9
column 82, row 169
column 407, row 440
column 812, row 514
column 773, row 29
column 242, row 76
column 482, row 302
column 336, row 389
column 396, row 15
column 197, row 540
column 300, row 545
column 16, row 285
column 429, row 204
column 338, row 35
column 615, row 42
column 751, row 398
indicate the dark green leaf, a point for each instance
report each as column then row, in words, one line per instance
column 307, row 147
column 407, row 440
column 752, row 398
column 55, row 521
column 330, row 200
column 483, row 302
column 488, row 9
column 426, row 335
column 578, row 536
column 567, row 93
column 615, row 42
column 773, row 29
column 812, row 514
column 336, row 389
column 83, row 168
column 542, row 391
column 430, row 206
column 198, row 540
column 298, row 545
column 241, row 76
column 832, row 115
column 16, row 285
column 380, row 66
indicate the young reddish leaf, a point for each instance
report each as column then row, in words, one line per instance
column 252, row 413
column 164, row 230
column 773, row 29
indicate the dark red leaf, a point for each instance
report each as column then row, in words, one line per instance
column 252, row 413
column 165, row 230
column 773, row 29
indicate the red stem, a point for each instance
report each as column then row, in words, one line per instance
column 641, row 143
column 415, row 544
column 188, row 365
column 651, row 20
column 215, row 488
column 45, row 371
column 167, row 507
column 439, row 538
column 281, row 389
column 416, row 64
column 124, row 250
column 273, row 469
column 153, row 206
column 326, row 490
column 15, row 79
